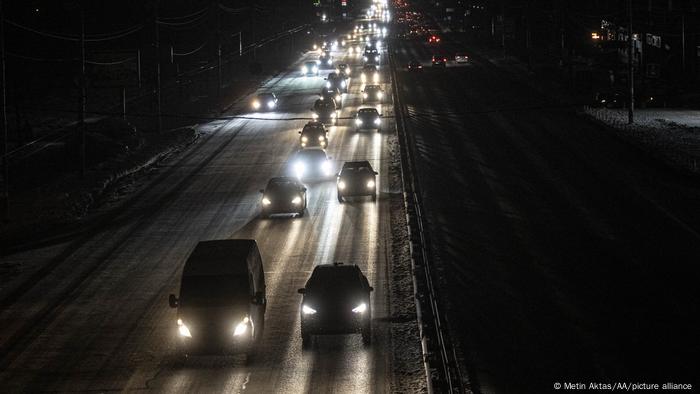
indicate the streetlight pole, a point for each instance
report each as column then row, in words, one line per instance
column 83, row 93
column 630, row 64
column 3, row 111
column 157, row 46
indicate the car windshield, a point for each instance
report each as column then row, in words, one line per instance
column 210, row 290
column 330, row 281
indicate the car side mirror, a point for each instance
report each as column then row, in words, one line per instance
column 173, row 301
column 301, row 291
column 371, row 288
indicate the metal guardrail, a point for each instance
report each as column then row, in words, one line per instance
column 439, row 356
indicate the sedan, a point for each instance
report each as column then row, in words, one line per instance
column 368, row 119
column 357, row 178
column 264, row 102
column 283, row 195
column 336, row 300
column 310, row 164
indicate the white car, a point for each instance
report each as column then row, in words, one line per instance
column 461, row 58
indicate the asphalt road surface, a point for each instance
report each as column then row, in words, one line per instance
column 566, row 255
column 97, row 317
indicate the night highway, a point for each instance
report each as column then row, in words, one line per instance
column 371, row 196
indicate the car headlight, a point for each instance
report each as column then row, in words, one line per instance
column 314, row 115
column 329, row 61
column 183, row 330
column 266, row 201
column 376, row 58
column 241, row 327
column 377, row 121
column 370, row 184
column 299, row 168
column 341, row 185
column 315, row 69
column 270, row 104
column 307, row 310
column 343, row 84
column 315, row 47
column 328, row 84
column 256, row 104
column 296, row 200
column 326, row 167
column 358, row 122
column 364, row 58
column 380, row 95
column 304, row 70
column 304, row 139
column 360, row 308
column 338, row 97
column 321, row 138
column 332, row 115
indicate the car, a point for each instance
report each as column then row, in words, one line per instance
column 461, row 57
column 314, row 134
column 325, row 60
column 336, row 300
column 222, row 302
column 310, row 164
column 335, row 80
column 356, row 178
column 368, row 118
column 414, row 65
column 264, row 101
column 309, row 68
column 439, row 61
column 343, row 68
column 283, row 195
column 334, row 94
column 369, row 73
column 371, row 55
column 434, row 39
column 372, row 94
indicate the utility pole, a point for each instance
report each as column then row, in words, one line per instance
column 157, row 45
column 3, row 110
column 683, row 42
column 218, row 51
column 630, row 63
column 83, row 93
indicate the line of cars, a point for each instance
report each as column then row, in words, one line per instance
column 222, row 300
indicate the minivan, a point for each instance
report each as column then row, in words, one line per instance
column 221, row 307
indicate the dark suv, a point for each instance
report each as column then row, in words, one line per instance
column 336, row 301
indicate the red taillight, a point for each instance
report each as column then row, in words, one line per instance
column 444, row 59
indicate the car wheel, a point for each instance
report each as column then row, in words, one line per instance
column 340, row 198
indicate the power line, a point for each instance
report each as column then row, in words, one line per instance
column 95, row 38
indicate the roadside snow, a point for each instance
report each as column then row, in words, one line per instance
column 672, row 135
